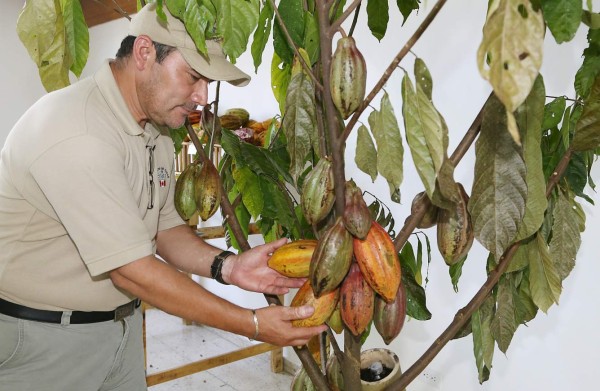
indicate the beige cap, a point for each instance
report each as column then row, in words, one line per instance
column 173, row 33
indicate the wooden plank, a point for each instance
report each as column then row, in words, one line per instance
column 100, row 11
column 208, row 363
column 219, row 232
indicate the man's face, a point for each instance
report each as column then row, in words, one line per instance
column 171, row 91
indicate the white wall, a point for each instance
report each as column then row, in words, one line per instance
column 557, row 351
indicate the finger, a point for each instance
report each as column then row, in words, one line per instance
column 301, row 312
column 272, row 246
column 286, row 282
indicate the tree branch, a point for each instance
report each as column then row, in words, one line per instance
column 392, row 67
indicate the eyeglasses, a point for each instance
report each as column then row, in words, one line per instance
column 150, row 149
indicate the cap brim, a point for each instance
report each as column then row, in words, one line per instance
column 219, row 67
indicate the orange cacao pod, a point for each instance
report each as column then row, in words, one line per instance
column 331, row 260
column 317, row 196
column 431, row 211
column 323, row 305
column 378, row 261
column 293, row 258
column 348, row 77
column 356, row 301
column 455, row 230
column 357, row 217
column 388, row 318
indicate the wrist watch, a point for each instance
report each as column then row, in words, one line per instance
column 217, row 266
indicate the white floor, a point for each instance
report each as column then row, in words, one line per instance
column 171, row 343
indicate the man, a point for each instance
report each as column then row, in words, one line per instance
column 82, row 218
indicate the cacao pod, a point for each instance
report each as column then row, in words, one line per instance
column 301, row 381
column 378, row 261
column 389, row 317
column 335, row 320
column 242, row 114
column 357, row 217
column 207, row 191
column 356, row 301
column 431, row 211
column 317, row 196
column 184, row 199
column 331, row 259
column 348, row 77
column 333, row 370
column 293, row 258
column 314, row 347
column 455, row 230
column 323, row 305
column 231, row 122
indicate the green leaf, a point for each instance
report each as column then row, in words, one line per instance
column 577, row 172
column 529, row 117
column 262, row 34
column 456, row 271
column 299, row 122
column 513, row 38
column 249, row 186
column 563, row 18
column 178, row 135
column 236, row 20
column 544, row 280
column 278, row 205
column 553, row 112
column 585, row 76
column 389, row 144
column 592, row 20
column 243, row 217
column 520, row 260
column 497, row 202
column 483, row 342
column 423, row 77
column 587, row 130
column 366, row 154
column 281, row 74
column 416, row 303
column 77, row 34
column 196, row 19
column 311, row 37
column 506, row 319
column 378, row 17
column 406, row 7
column 292, row 15
column 526, row 308
column 424, row 134
column 566, row 237
column 407, row 259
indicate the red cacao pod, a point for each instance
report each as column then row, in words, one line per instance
column 356, row 301
column 357, row 217
column 388, row 318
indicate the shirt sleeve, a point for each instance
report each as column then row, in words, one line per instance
column 84, row 180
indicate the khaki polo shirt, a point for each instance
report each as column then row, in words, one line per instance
column 75, row 197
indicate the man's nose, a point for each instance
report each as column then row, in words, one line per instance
column 200, row 94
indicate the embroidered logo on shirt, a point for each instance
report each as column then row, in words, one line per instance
column 163, row 176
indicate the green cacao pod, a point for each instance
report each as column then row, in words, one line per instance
column 357, row 217
column 431, row 211
column 455, row 230
column 185, row 202
column 357, row 300
column 331, row 259
column 230, row 121
column 301, row 381
column 348, row 77
column 388, row 318
column 333, row 371
column 207, row 191
column 317, row 196
column 240, row 113
column 335, row 320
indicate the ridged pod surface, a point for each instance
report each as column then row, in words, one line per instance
column 302, row 382
column 388, row 318
column 331, row 260
column 317, row 195
column 333, row 370
column 241, row 113
column 184, row 199
column 357, row 217
column 335, row 320
column 357, row 300
column 348, row 77
column 323, row 305
column 207, row 191
column 293, row 258
column 378, row 261
column 455, row 231
column 431, row 211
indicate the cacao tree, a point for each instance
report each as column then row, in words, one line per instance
column 533, row 155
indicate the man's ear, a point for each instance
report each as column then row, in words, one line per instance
column 143, row 51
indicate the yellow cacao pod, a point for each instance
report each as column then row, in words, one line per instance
column 207, row 191
column 317, row 195
column 348, row 77
column 357, row 301
column 293, row 258
column 388, row 318
column 323, row 305
column 184, row 198
column 357, row 217
column 455, row 230
column 379, row 262
column 431, row 211
column 331, row 260
column 314, row 347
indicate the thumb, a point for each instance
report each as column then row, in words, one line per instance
column 301, row 312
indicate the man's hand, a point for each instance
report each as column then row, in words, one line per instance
column 249, row 271
column 275, row 325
